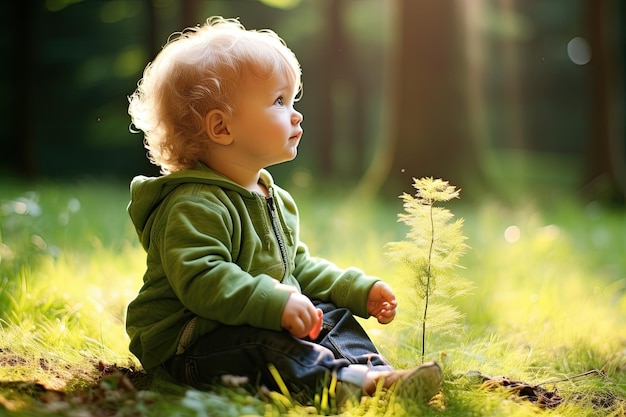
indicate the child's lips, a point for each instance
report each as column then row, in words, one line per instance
column 297, row 136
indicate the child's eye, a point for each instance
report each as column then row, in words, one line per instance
column 279, row 101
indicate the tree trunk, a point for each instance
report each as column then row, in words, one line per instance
column 513, row 99
column 341, row 142
column 190, row 13
column 19, row 151
column 606, row 173
column 429, row 120
column 330, row 55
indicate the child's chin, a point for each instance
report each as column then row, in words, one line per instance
column 294, row 153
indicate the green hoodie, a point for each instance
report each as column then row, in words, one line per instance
column 220, row 254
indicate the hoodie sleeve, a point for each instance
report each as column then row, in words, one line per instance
column 196, row 253
column 321, row 279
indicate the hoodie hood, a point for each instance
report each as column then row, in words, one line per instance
column 147, row 193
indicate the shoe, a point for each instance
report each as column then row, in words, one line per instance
column 419, row 384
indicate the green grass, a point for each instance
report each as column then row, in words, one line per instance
column 548, row 304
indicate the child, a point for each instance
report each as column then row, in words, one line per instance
column 229, row 287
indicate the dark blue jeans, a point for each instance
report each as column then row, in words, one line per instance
column 343, row 347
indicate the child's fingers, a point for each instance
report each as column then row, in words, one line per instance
column 299, row 315
column 317, row 325
column 386, row 315
column 298, row 328
column 376, row 310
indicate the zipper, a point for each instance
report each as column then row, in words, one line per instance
column 271, row 207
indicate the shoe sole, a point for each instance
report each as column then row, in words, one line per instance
column 422, row 384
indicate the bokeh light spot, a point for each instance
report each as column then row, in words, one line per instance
column 129, row 62
column 58, row 5
column 38, row 241
column 281, row 4
column 512, row 234
column 579, row 51
column 20, row 207
column 117, row 10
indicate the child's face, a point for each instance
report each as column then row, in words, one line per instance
column 265, row 127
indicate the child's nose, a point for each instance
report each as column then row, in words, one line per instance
column 297, row 117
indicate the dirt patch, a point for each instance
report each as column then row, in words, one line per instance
column 538, row 395
column 544, row 398
column 45, row 386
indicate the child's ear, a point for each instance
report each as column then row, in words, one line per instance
column 216, row 127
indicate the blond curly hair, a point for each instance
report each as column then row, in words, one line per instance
column 197, row 71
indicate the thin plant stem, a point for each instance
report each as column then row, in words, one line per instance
column 569, row 378
column 428, row 276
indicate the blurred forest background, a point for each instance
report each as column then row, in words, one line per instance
column 478, row 92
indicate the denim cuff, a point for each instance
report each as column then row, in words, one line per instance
column 353, row 374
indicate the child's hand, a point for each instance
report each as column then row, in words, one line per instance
column 381, row 303
column 299, row 315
